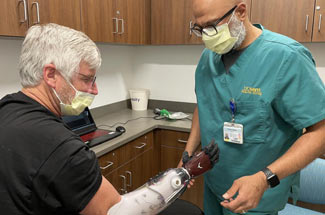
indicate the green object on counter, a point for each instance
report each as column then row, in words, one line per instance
column 164, row 112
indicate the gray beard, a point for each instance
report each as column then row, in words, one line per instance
column 238, row 30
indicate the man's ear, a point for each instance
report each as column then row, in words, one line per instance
column 242, row 11
column 50, row 75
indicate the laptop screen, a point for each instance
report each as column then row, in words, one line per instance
column 81, row 124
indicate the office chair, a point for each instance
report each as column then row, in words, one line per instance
column 312, row 189
column 182, row 207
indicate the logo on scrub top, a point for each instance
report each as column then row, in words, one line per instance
column 252, row 90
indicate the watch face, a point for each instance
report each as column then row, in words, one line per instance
column 273, row 181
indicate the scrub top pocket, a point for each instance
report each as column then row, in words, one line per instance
column 253, row 116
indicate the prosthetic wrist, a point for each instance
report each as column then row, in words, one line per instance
column 202, row 161
column 160, row 191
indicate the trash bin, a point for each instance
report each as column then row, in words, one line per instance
column 139, row 99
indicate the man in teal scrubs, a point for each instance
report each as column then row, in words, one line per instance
column 256, row 92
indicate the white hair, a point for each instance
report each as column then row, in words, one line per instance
column 54, row 44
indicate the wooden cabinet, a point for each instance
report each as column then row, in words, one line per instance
column 120, row 21
column 17, row 15
column 319, row 22
column 171, row 22
column 13, row 17
column 293, row 18
column 172, row 145
column 131, row 165
column 61, row 12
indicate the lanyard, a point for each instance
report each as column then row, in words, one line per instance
column 232, row 106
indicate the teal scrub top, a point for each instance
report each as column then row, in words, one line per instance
column 277, row 92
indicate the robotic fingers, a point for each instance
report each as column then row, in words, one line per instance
column 160, row 191
column 202, row 161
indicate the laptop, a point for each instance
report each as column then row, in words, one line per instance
column 85, row 126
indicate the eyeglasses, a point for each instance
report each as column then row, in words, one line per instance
column 88, row 79
column 210, row 30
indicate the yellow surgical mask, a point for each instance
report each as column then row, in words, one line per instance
column 78, row 104
column 222, row 42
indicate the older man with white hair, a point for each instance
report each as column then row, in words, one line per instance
column 44, row 167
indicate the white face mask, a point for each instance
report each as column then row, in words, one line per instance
column 223, row 41
column 78, row 104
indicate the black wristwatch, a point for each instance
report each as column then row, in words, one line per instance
column 272, row 179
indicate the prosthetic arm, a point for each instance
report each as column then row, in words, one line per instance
column 160, row 191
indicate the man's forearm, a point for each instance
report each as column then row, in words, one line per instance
column 308, row 147
column 194, row 138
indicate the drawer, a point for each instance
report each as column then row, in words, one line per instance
column 111, row 160
column 139, row 145
column 173, row 138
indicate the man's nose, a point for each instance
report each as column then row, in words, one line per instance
column 93, row 90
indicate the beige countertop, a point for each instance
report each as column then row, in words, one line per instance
column 136, row 127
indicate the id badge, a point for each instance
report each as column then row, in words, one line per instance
column 233, row 133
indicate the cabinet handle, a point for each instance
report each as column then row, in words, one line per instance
column 130, row 176
column 109, row 163
column 182, row 141
column 140, row 147
column 116, row 25
column 25, row 10
column 307, row 21
column 319, row 22
column 191, row 27
column 124, row 184
column 37, row 12
column 122, row 21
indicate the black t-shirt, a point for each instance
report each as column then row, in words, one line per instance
column 44, row 167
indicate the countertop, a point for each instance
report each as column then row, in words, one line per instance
column 136, row 127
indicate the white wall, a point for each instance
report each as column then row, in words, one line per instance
column 168, row 71
column 113, row 79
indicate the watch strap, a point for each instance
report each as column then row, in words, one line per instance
column 272, row 179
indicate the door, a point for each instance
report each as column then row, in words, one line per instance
column 172, row 147
column 319, row 22
column 98, row 20
column 141, row 170
column 13, row 17
column 169, row 24
column 190, row 38
column 133, row 21
column 293, row 18
column 61, row 12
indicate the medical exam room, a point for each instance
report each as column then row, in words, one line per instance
column 162, row 107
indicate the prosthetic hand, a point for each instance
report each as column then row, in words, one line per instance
column 202, row 161
column 160, row 191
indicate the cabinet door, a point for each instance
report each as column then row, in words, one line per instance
column 61, row 12
column 98, row 20
column 190, row 38
column 169, row 24
column 13, row 17
column 118, row 180
column 134, row 173
column 141, row 170
column 293, row 18
column 172, row 147
column 319, row 22
column 134, row 21
column 170, row 157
